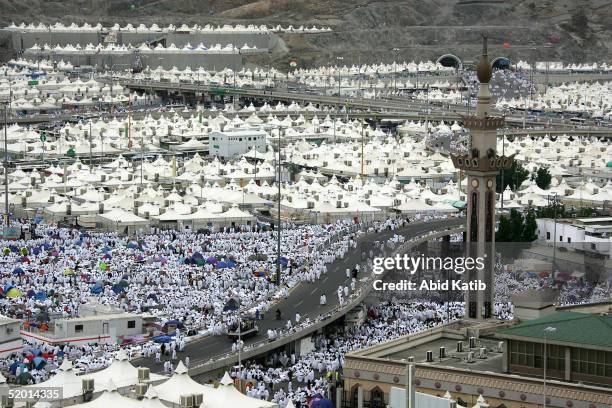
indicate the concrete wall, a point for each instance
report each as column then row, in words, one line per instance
column 166, row 60
column 24, row 40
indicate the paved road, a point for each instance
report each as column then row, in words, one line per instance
column 304, row 298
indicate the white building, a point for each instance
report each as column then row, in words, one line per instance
column 82, row 330
column 229, row 143
column 10, row 339
column 582, row 234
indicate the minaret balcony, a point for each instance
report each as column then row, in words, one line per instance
column 484, row 164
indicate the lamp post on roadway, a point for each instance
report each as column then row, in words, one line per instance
column 547, row 331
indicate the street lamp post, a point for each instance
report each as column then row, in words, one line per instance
column 396, row 50
column 547, row 331
column 6, row 197
column 278, row 247
column 555, row 204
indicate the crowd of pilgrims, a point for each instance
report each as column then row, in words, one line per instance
column 168, row 294
column 504, row 84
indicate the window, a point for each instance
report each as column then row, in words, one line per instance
column 78, row 328
column 593, row 246
column 561, row 238
column 529, row 354
column 548, row 235
column 569, row 240
column 131, row 324
column 592, row 362
column 9, row 330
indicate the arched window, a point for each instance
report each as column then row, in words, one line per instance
column 377, row 398
column 355, row 395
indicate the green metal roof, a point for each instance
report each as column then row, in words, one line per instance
column 572, row 327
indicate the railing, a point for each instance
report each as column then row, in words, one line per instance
column 226, row 358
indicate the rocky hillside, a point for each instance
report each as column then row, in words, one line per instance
column 368, row 30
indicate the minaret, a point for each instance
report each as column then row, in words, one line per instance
column 481, row 165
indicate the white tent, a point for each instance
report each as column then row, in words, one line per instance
column 181, row 384
column 121, row 372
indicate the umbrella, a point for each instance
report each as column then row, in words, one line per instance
column 124, row 283
column 96, row 289
column 319, row 402
column 118, row 289
column 30, row 293
column 13, row 293
column 152, row 296
column 221, row 265
column 39, row 362
column 18, row 271
column 231, row 305
column 175, row 323
column 103, row 266
column 41, row 296
column 6, row 250
column 24, row 378
column 68, row 272
column 162, row 339
column 13, row 367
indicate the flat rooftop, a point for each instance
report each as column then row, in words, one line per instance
column 492, row 363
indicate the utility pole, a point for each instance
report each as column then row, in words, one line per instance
column 90, row 153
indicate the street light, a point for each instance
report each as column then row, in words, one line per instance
column 555, row 202
column 547, row 331
column 337, row 106
column 278, row 248
column 6, row 197
column 396, row 51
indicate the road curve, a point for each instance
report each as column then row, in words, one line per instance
column 303, row 299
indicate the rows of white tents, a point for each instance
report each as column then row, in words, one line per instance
column 227, row 28
column 592, row 98
column 117, row 386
